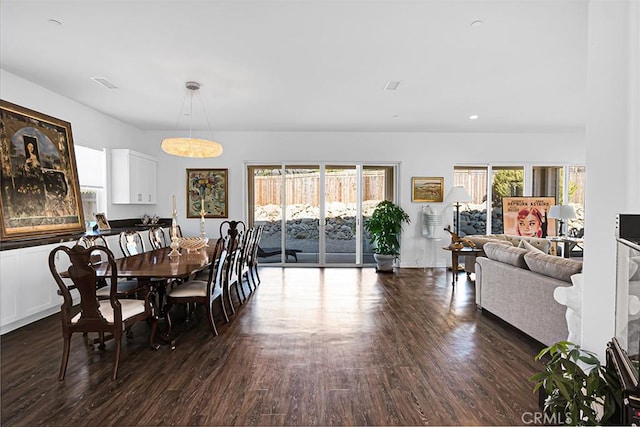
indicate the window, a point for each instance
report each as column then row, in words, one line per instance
column 91, row 164
column 313, row 213
column 565, row 183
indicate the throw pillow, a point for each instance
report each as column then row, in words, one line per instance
column 553, row 266
column 507, row 254
column 528, row 246
column 480, row 241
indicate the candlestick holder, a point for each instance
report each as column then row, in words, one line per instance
column 175, row 243
column 203, row 231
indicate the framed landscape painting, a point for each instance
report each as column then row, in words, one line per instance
column 427, row 189
column 528, row 216
column 40, row 194
column 207, row 193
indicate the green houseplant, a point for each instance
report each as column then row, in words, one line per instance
column 385, row 226
column 578, row 389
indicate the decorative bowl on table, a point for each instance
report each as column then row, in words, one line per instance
column 192, row 243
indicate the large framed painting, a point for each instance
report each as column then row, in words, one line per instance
column 40, row 194
column 528, row 216
column 427, row 189
column 207, row 193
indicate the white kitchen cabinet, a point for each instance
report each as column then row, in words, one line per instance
column 133, row 178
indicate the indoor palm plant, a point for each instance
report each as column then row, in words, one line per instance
column 384, row 226
column 578, row 389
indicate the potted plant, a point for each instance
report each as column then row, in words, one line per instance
column 384, row 226
column 577, row 389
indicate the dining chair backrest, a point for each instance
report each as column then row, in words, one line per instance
column 216, row 273
column 253, row 256
column 131, row 243
column 90, row 241
column 157, row 238
column 232, row 228
column 234, row 252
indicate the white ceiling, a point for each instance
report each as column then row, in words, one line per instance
column 311, row 65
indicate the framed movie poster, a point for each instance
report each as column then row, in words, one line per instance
column 40, row 194
column 427, row 189
column 528, row 216
column 207, row 193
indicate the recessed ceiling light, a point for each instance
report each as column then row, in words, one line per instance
column 473, row 117
column 395, row 116
column 392, row 85
column 476, row 24
column 105, row 82
column 54, row 22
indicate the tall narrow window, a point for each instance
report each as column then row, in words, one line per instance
column 473, row 216
column 91, row 164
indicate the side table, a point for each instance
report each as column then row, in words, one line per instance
column 455, row 253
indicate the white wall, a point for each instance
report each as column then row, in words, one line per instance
column 419, row 154
column 612, row 143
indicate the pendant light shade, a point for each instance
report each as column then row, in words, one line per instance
column 192, row 147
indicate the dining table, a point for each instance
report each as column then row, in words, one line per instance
column 158, row 263
column 157, row 268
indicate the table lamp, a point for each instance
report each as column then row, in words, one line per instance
column 562, row 213
column 456, row 196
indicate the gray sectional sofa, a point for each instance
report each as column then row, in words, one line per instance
column 516, row 285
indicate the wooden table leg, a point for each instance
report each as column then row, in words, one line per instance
column 454, row 267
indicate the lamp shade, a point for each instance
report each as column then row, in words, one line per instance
column 562, row 212
column 191, row 147
column 458, row 194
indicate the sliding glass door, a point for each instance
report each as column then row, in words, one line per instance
column 313, row 214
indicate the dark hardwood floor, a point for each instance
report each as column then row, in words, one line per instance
column 310, row 347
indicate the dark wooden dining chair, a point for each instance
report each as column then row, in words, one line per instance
column 157, row 238
column 252, row 259
column 232, row 268
column 203, row 292
column 131, row 243
column 113, row 316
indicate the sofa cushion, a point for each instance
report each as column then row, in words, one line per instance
column 507, row 254
column 528, row 246
column 480, row 241
column 553, row 266
column 538, row 242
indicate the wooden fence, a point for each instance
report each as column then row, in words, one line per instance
column 340, row 186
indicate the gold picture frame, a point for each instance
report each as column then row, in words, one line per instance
column 427, row 189
column 40, row 193
column 210, row 186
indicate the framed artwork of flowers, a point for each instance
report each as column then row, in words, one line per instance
column 207, row 193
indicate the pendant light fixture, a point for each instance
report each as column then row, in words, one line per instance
column 192, row 147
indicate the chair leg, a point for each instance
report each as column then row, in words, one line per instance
column 152, row 336
column 212, row 324
column 116, row 357
column 224, row 310
column 228, row 292
column 238, row 288
column 65, row 357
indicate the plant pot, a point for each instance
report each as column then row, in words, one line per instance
column 384, row 262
